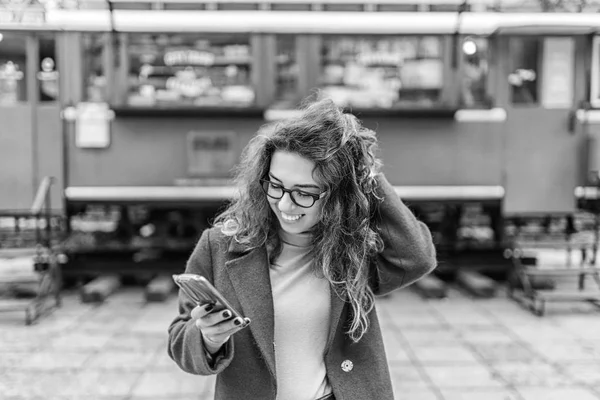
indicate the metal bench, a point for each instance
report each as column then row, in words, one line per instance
column 29, row 257
column 524, row 254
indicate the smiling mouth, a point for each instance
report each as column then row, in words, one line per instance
column 291, row 218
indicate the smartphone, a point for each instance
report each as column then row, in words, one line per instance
column 200, row 290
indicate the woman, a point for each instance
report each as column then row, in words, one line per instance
column 314, row 234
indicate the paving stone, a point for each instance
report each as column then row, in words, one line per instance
column 557, row 394
column 164, row 384
column 419, row 336
column 104, row 324
column 80, row 341
column 394, row 346
column 542, row 332
column 471, row 320
column 21, row 384
column 479, row 394
column 120, row 361
column 501, row 352
column 492, row 336
column 587, row 373
column 460, row 376
column 405, row 377
column 414, row 393
column 135, row 342
column 437, row 354
column 94, row 384
column 531, row 374
column 54, row 361
column 561, row 351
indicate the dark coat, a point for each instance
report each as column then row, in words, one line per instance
column 246, row 369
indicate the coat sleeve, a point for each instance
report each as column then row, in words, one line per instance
column 185, row 345
column 408, row 253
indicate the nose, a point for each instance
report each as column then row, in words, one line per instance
column 285, row 203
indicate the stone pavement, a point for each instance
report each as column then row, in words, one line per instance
column 452, row 349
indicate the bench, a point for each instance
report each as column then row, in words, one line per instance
column 32, row 261
column 525, row 256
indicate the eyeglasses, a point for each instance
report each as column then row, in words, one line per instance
column 299, row 197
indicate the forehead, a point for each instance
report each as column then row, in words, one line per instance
column 292, row 168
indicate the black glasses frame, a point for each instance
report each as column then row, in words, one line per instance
column 264, row 183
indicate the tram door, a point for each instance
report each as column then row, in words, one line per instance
column 541, row 153
column 30, row 140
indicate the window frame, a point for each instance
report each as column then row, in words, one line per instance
column 595, row 73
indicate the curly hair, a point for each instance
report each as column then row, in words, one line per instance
column 345, row 239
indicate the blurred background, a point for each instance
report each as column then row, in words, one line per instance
column 121, row 122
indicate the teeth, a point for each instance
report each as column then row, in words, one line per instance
column 290, row 217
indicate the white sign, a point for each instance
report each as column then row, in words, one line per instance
column 93, row 125
column 557, row 73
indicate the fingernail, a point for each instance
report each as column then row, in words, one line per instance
column 237, row 321
column 209, row 307
column 226, row 314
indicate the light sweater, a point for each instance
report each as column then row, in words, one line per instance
column 302, row 312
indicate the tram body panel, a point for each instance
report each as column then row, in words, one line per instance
column 542, row 162
column 439, row 152
column 16, row 156
column 154, row 151
column 49, row 153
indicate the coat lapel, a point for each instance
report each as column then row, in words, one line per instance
column 337, row 305
column 249, row 275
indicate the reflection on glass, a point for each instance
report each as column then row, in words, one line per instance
column 12, row 70
column 287, row 72
column 474, row 73
column 94, row 74
column 523, row 80
column 382, row 72
column 184, row 70
column 47, row 74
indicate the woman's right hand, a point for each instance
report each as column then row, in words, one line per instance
column 216, row 326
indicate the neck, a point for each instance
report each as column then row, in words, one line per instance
column 296, row 239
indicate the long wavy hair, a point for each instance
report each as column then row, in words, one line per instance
column 345, row 239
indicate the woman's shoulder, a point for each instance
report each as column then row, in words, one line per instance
column 215, row 236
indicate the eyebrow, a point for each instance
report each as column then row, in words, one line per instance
column 308, row 186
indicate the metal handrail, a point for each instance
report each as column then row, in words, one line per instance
column 42, row 196
column 42, row 202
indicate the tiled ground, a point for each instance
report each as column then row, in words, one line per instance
column 452, row 349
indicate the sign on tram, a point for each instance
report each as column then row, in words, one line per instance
column 22, row 12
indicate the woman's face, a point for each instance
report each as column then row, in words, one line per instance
column 292, row 171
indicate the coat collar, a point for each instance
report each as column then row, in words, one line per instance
column 249, row 274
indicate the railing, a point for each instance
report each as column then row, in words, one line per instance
column 27, row 263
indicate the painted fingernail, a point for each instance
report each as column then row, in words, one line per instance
column 237, row 321
column 226, row 314
column 209, row 307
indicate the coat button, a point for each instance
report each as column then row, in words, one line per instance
column 347, row 366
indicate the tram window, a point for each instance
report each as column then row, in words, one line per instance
column 523, row 80
column 382, row 72
column 186, row 70
column 287, row 72
column 474, row 73
column 47, row 72
column 94, row 74
column 13, row 65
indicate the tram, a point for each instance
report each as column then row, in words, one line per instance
column 140, row 109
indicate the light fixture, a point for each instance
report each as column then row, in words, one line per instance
column 469, row 47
